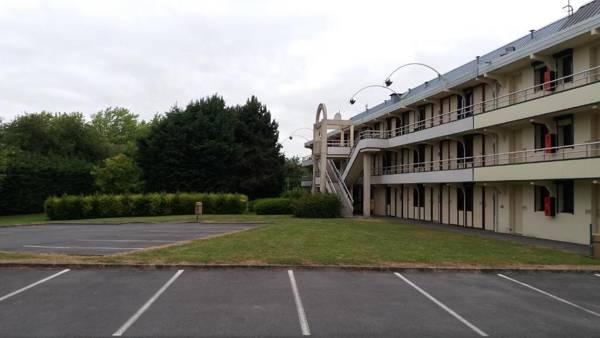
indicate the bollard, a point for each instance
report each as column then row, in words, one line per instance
column 198, row 210
column 596, row 245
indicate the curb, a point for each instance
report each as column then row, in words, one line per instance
column 356, row 268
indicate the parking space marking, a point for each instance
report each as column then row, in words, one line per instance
column 440, row 304
column 597, row 274
column 301, row 314
column 147, row 305
column 78, row 247
column 33, row 284
column 562, row 300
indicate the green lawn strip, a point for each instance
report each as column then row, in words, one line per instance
column 42, row 219
column 23, row 219
column 289, row 240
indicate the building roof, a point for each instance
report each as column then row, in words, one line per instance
column 584, row 19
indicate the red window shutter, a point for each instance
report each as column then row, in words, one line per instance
column 548, row 144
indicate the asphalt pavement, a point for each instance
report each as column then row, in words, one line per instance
column 105, row 239
column 295, row 303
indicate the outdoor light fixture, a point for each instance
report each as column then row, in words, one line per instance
column 353, row 100
column 388, row 82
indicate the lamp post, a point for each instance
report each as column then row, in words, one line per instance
column 353, row 100
column 388, row 82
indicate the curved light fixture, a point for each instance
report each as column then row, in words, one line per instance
column 353, row 100
column 388, row 82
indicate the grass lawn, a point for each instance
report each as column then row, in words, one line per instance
column 288, row 240
column 23, row 219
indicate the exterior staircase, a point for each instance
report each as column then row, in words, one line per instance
column 335, row 185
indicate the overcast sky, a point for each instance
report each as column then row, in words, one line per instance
column 65, row 56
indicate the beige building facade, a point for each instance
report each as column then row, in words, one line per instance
column 508, row 142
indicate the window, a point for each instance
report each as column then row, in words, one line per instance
column 419, row 196
column 460, row 199
column 540, row 135
column 564, row 130
column 459, row 107
column 469, row 197
column 464, row 150
column 565, row 195
column 420, row 119
column 540, row 194
column 419, row 155
column 468, row 111
column 539, row 69
column 564, row 65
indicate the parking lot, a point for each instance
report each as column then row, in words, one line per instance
column 104, row 239
column 278, row 303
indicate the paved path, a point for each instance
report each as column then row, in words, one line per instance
column 557, row 245
column 104, row 239
column 286, row 303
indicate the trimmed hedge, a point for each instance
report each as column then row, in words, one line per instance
column 273, row 206
column 317, row 206
column 154, row 204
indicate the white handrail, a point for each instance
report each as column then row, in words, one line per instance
column 479, row 108
column 575, row 151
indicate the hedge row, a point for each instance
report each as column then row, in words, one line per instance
column 273, row 206
column 154, row 204
column 317, row 206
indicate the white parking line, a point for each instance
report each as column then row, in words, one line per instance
column 33, row 284
column 562, row 300
column 440, row 304
column 597, row 274
column 78, row 247
column 301, row 314
column 146, row 306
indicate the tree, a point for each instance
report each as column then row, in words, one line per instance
column 259, row 165
column 117, row 175
column 120, row 128
column 46, row 154
column 55, row 135
column 293, row 173
column 191, row 149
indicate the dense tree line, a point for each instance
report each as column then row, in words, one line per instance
column 206, row 146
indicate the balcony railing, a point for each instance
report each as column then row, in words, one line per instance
column 338, row 143
column 579, row 79
column 570, row 152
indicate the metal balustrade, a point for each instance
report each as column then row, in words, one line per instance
column 575, row 151
column 576, row 80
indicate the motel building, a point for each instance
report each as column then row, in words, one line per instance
column 508, row 142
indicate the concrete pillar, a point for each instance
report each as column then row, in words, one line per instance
column 352, row 136
column 367, row 184
column 342, row 137
column 323, row 160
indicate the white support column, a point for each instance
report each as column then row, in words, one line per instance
column 323, row 160
column 352, row 136
column 367, row 184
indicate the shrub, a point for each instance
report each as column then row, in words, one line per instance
column 295, row 193
column 317, row 206
column 273, row 206
column 154, row 204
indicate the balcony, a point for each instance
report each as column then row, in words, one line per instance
column 567, row 162
column 563, row 162
column 568, row 92
column 307, row 161
column 306, row 181
column 337, row 148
